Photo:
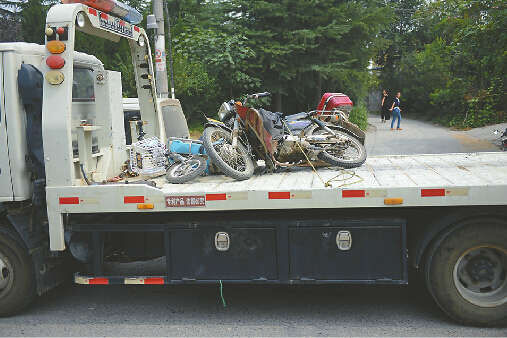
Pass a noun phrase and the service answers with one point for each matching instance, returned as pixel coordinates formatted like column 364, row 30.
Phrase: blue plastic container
column 188, row 147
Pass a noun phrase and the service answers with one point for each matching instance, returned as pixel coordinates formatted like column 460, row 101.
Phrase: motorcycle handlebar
column 255, row 96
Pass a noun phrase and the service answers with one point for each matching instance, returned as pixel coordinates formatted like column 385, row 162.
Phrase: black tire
column 175, row 174
column 17, row 280
column 338, row 161
column 459, row 284
column 213, row 153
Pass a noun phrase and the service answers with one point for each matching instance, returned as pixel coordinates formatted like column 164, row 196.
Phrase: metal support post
column 160, row 56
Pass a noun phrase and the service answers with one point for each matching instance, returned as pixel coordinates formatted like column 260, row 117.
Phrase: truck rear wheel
column 17, row 280
column 466, row 273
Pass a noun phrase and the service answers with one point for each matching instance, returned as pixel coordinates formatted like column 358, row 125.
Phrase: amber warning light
column 113, row 7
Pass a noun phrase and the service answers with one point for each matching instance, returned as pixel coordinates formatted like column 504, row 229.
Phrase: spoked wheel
column 181, row 172
column 350, row 153
column 235, row 163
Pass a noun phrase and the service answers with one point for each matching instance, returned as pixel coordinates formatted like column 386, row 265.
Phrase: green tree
column 453, row 63
column 10, row 24
column 306, row 47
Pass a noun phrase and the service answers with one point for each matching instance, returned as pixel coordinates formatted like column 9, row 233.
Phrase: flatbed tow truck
column 63, row 212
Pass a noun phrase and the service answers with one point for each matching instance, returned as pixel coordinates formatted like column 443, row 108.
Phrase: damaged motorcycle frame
column 296, row 140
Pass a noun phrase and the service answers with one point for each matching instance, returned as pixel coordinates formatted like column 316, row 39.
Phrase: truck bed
column 383, row 181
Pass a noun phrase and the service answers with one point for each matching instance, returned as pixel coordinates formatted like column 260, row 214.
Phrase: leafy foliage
column 359, row 115
column 450, row 63
column 447, row 57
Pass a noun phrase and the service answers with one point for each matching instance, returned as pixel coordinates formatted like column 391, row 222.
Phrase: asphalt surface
column 73, row 310
column 417, row 137
column 251, row 311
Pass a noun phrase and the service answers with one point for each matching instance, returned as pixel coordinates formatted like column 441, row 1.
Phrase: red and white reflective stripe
column 346, row 193
column 68, row 200
column 133, row 199
column 271, row 195
column 243, row 195
column 145, row 280
column 104, row 16
column 287, row 195
column 440, row 192
column 92, row 11
column 137, row 280
column 136, row 29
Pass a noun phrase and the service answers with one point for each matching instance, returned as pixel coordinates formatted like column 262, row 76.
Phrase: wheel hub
column 229, row 151
column 480, row 276
column 5, row 273
column 481, row 269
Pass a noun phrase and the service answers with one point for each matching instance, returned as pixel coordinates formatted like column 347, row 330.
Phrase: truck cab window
column 82, row 86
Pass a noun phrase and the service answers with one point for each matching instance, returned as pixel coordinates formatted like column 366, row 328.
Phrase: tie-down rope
column 335, row 178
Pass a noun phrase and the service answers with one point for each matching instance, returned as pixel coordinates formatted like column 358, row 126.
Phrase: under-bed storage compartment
column 227, row 253
column 349, row 251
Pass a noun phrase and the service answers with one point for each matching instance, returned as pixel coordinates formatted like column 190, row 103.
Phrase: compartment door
column 6, row 192
column 376, row 255
column 251, row 254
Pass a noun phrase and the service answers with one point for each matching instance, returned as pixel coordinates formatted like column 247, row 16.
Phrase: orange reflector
column 55, row 62
column 145, row 206
column 393, row 201
column 55, row 47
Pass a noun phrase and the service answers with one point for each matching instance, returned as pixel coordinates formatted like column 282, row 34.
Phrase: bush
column 359, row 115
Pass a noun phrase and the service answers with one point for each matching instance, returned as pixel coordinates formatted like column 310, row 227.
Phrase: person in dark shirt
column 396, row 110
column 384, row 109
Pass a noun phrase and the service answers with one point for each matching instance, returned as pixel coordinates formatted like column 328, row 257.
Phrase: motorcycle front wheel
column 235, row 163
column 182, row 172
column 350, row 157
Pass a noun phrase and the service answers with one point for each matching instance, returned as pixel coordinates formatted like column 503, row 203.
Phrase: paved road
column 418, row 137
column 250, row 311
column 258, row 310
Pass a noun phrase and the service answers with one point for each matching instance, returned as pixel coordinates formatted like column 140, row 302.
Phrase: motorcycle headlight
column 224, row 110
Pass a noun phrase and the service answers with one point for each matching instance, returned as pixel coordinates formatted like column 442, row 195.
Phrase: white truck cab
column 21, row 112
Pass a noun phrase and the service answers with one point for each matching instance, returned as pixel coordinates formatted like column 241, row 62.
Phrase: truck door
column 5, row 170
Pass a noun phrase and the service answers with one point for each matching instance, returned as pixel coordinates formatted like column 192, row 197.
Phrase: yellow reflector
column 393, row 201
column 55, row 77
column 55, row 47
column 145, row 206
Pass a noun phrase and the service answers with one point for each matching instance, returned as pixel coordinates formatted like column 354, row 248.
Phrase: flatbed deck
column 404, row 180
